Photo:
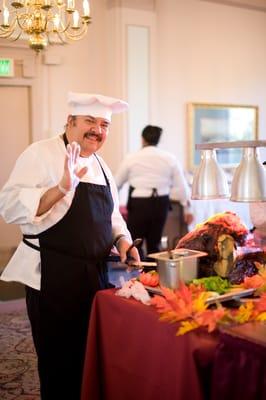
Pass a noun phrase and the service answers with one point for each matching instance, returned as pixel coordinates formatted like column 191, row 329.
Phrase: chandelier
column 44, row 22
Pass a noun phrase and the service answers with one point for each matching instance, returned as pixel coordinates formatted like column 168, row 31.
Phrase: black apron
column 146, row 219
column 72, row 270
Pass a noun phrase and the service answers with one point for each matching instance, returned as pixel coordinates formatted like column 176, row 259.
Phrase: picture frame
column 220, row 123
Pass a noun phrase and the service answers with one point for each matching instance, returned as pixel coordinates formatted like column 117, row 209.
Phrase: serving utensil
column 134, row 265
column 135, row 243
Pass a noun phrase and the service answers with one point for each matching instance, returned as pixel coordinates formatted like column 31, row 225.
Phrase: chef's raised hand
column 72, row 174
column 70, row 179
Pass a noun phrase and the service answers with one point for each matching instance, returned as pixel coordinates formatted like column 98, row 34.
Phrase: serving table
column 132, row 355
column 239, row 370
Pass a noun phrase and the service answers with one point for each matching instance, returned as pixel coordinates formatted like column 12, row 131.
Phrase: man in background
column 258, row 218
column 152, row 173
column 65, row 200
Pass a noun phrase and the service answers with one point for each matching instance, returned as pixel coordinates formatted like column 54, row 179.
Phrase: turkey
column 218, row 236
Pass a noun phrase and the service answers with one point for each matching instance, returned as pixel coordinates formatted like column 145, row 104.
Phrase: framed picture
column 220, row 123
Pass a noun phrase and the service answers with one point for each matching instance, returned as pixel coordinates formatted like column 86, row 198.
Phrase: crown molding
column 148, row 5
column 258, row 5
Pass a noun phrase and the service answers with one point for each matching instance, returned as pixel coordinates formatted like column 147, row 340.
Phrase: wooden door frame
column 18, row 82
column 17, row 97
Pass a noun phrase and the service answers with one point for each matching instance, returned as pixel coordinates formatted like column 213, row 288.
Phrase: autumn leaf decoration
column 251, row 311
column 187, row 305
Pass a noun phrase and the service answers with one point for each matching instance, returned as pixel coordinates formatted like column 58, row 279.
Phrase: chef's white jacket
column 152, row 167
column 39, row 168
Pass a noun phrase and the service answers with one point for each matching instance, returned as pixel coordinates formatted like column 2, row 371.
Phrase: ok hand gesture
column 72, row 174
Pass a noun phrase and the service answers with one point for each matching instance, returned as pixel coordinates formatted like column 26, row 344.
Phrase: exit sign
column 6, row 67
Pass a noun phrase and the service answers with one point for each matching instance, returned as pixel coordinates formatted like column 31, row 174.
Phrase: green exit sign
column 6, row 67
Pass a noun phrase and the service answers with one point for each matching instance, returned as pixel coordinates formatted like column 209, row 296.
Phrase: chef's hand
column 123, row 245
column 72, row 174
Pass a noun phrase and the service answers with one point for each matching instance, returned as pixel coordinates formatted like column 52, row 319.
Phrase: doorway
column 15, row 136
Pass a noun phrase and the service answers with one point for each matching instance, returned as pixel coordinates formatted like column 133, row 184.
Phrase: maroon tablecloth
column 132, row 355
column 239, row 370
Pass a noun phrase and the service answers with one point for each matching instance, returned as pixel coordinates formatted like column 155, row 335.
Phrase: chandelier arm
column 7, row 35
column 19, row 34
column 65, row 28
column 62, row 41
column 18, row 18
column 47, row 19
column 76, row 36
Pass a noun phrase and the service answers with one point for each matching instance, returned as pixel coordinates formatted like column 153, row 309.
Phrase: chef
column 258, row 217
column 63, row 196
column 152, row 173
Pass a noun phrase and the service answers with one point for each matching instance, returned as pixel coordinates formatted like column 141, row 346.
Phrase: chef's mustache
column 90, row 134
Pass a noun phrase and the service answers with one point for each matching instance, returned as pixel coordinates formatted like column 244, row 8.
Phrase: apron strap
column 65, row 139
column 154, row 192
column 105, row 176
column 130, row 191
column 38, row 248
column 28, row 243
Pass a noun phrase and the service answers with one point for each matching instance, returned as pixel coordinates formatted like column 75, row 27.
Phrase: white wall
column 211, row 53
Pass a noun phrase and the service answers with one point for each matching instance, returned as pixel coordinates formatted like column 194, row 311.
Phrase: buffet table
column 239, row 370
column 132, row 355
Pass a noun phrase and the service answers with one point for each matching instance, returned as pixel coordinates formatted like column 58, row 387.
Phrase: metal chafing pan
column 177, row 265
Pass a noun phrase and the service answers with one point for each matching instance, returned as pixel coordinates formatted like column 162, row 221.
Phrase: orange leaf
column 185, row 293
column 260, row 305
column 161, row 304
column 210, row 318
column 254, row 281
column 179, row 300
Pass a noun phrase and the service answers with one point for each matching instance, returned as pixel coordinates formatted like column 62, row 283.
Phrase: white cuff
column 63, row 190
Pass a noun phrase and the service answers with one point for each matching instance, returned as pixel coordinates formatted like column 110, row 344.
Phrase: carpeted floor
column 18, row 363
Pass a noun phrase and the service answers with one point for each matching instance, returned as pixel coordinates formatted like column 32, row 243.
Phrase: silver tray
column 233, row 295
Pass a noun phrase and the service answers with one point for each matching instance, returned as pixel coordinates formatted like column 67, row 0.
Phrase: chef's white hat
column 95, row 105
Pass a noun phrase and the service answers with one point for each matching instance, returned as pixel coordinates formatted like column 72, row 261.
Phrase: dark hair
column 151, row 134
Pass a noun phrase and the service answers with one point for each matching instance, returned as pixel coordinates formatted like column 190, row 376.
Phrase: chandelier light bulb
column 5, row 17
column 75, row 19
column 86, row 8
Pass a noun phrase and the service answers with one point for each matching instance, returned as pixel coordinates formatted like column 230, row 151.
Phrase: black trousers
column 146, row 219
column 60, row 352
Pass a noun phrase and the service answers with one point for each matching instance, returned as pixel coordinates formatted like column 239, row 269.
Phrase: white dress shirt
column 152, row 167
column 39, row 168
